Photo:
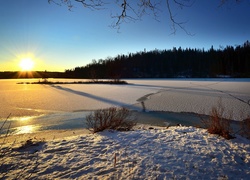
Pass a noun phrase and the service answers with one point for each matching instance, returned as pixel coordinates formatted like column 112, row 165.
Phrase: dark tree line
column 30, row 74
column 177, row 62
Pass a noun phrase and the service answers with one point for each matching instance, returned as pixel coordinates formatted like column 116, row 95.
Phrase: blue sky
column 58, row 39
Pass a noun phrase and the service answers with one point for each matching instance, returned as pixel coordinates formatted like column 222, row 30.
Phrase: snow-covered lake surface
column 35, row 107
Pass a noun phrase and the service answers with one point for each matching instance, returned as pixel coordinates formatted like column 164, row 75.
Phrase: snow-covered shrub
column 111, row 118
column 217, row 124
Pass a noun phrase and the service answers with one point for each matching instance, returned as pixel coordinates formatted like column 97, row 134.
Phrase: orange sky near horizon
column 38, row 64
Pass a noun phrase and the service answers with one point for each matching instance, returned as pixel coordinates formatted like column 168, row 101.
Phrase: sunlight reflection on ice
column 26, row 129
column 25, row 119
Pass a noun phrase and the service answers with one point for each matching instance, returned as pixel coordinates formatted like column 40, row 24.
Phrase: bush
column 217, row 124
column 111, row 118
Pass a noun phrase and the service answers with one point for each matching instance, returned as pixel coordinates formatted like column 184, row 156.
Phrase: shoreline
column 45, row 135
column 64, row 121
column 63, row 134
column 156, row 119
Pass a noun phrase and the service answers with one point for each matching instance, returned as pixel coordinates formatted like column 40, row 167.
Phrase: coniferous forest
column 231, row 61
column 177, row 62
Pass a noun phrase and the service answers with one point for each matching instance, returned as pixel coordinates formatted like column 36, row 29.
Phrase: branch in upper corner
column 131, row 11
column 146, row 7
column 181, row 4
column 123, row 16
column 134, row 12
column 91, row 4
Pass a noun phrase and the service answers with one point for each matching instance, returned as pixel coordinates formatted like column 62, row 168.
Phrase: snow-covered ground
column 173, row 153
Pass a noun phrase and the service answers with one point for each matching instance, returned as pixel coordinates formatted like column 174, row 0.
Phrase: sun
column 26, row 64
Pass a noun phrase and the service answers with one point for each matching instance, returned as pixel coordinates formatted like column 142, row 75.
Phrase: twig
column 5, row 122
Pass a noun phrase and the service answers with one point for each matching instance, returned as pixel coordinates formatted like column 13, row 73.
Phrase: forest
column 231, row 61
column 176, row 62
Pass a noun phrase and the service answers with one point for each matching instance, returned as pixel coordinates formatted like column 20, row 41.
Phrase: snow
column 159, row 153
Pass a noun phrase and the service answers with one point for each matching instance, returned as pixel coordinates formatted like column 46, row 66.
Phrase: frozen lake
column 35, row 107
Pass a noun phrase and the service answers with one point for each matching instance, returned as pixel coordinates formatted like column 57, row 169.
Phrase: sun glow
column 26, row 64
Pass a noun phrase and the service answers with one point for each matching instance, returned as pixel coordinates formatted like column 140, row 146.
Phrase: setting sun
column 26, row 64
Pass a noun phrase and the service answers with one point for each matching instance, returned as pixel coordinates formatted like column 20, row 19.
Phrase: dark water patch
column 162, row 118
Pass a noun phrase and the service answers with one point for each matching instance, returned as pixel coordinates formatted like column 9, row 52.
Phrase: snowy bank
column 173, row 153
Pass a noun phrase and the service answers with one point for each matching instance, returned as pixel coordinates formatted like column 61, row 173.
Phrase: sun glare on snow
column 26, row 64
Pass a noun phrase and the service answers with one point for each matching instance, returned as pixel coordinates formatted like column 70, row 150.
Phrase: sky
column 57, row 39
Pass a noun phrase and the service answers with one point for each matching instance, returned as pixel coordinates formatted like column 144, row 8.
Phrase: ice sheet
column 185, row 95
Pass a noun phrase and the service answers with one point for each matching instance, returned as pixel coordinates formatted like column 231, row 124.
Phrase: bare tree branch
column 152, row 7
column 134, row 10
column 91, row 4
column 172, row 18
column 127, row 14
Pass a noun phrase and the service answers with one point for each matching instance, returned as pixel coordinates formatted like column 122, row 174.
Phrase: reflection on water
column 20, row 130
column 19, row 125
column 21, row 119
column 26, row 129
column 52, row 121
